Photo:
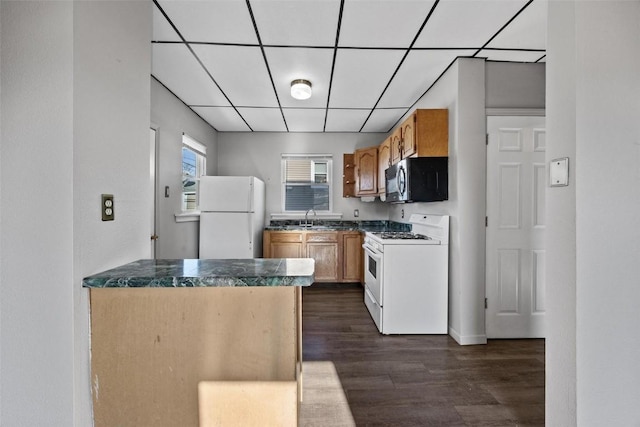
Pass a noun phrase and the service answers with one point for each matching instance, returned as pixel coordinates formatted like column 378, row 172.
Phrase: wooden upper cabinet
column 396, row 145
column 384, row 161
column 366, row 160
column 348, row 175
column 426, row 134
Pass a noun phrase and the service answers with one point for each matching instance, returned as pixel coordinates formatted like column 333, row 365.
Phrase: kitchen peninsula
column 159, row 327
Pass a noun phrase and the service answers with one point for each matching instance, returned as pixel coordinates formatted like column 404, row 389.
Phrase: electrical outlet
column 107, row 207
column 356, row 213
column 402, row 213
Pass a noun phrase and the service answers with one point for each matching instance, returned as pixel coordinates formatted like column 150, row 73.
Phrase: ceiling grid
column 369, row 61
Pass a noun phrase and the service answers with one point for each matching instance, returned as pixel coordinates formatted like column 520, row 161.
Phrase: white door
column 515, row 254
column 152, row 190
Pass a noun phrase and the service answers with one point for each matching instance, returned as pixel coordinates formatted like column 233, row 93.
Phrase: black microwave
column 418, row 179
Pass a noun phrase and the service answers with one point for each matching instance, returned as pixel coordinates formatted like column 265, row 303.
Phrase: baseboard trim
column 467, row 339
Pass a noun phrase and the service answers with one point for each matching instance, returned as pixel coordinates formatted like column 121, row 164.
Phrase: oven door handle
column 375, row 255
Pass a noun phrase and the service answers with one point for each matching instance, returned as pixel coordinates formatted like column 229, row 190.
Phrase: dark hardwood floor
column 352, row 375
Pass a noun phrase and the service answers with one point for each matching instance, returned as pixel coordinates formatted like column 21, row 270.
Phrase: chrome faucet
column 306, row 214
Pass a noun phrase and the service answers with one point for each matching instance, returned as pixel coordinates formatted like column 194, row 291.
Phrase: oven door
column 373, row 273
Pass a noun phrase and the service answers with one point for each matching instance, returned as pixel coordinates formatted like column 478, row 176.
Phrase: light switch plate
column 559, row 172
column 107, row 207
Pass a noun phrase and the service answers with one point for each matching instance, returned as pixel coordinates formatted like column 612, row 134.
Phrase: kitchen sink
column 308, row 227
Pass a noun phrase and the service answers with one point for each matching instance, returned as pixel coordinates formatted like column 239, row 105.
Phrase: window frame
column 200, row 151
column 321, row 158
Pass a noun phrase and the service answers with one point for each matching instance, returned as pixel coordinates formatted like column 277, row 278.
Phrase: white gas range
column 407, row 277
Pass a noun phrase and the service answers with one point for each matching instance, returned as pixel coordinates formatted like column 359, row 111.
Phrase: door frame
column 153, row 156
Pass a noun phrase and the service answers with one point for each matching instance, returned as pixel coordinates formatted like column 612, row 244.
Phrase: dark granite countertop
column 332, row 225
column 172, row 273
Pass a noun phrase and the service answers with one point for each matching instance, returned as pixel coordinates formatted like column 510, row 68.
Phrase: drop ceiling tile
column 176, row 68
column 264, row 119
column 222, row 21
column 304, row 120
column 383, row 119
column 382, row 23
column 162, row 31
column 510, row 55
column 223, row 119
column 361, row 75
column 288, row 64
column 418, row 72
column 297, row 23
column 466, row 23
column 527, row 31
column 241, row 73
column 345, row 120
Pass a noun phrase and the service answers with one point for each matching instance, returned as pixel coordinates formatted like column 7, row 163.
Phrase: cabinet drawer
column 314, row 236
column 284, row 236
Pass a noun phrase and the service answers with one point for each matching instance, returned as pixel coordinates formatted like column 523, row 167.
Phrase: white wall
column 36, row 209
column 172, row 118
column 259, row 154
column 461, row 90
column 560, row 369
column 515, row 85
column 597, row 126
column 111, row 66
column 75, row 117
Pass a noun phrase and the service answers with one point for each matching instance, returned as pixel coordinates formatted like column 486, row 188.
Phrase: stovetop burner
column 401, row 235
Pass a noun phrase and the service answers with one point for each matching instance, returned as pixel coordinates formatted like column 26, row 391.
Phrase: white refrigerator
column 232, row 210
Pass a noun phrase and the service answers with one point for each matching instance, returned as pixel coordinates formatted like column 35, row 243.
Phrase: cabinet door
column 431, row 133
column 325, row 255
column 408, row 137
column 282, row 244
column 396, row 145
column 323, row 248
column 285, row 250
column 352, row 257
column 366, row 160
column 384, row 161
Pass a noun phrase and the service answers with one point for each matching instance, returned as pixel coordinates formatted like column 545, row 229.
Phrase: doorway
column 515, row 251
column 152, row 188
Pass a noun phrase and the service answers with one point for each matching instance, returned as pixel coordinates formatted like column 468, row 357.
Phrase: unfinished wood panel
column 248, row 403
column 150, row 347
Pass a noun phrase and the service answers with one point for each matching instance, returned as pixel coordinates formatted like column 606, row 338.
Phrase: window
column 194, row 157
column 306, row 182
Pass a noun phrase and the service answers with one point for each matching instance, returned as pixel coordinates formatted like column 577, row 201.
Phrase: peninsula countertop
column 185, row 273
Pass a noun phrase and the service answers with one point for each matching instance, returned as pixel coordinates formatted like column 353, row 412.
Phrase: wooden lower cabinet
column 323, row 248
column 282, row 244
column 338, row 255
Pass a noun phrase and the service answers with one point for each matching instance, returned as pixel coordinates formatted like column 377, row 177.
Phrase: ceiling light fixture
column 301, row 89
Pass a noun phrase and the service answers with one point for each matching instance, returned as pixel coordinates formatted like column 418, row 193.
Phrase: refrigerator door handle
column 250, row 225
